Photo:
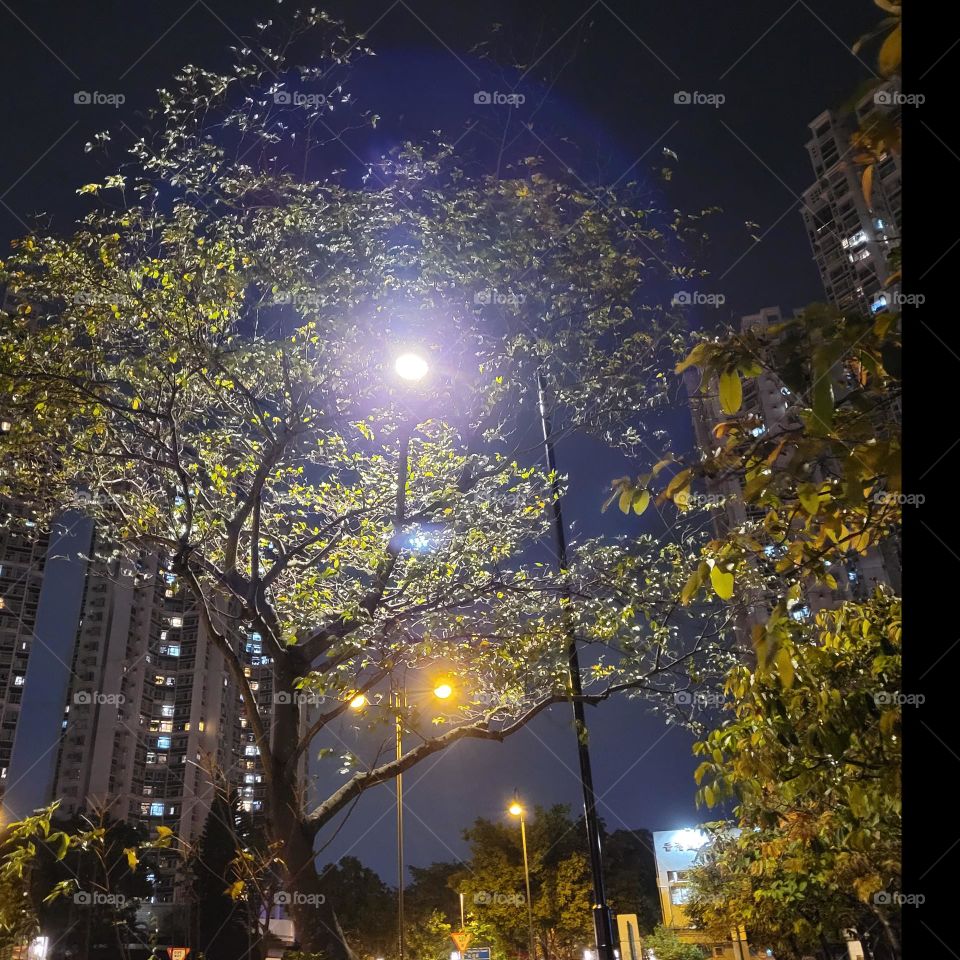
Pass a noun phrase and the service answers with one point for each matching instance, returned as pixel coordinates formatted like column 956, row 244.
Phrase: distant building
column 153, row 724
column 677, row 852
column 852, row 240
column 23, row 550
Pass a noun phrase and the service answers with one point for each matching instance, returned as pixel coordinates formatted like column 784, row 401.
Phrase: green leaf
column 731, row 391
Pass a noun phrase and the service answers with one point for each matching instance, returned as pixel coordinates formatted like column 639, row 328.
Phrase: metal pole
column 602, row 923
column 526, row 874
column 401, row 940
column 463, row 922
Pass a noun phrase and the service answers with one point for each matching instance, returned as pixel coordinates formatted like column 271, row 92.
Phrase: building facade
column 852, row 239
column 23, row 550
column 676, row 853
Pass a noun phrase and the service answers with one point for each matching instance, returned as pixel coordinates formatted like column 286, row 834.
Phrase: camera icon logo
column 282, row 898
column 482, row 97
column 883, row 98
column 283, row 696
column 282, row 96
column 882, row 898
column 683, row 697
column 82, row 96
column 682, row 96
column 82, row 898
column 482, row 898
column 83, row 697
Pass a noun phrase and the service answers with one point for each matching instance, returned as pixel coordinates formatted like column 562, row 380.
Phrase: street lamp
column 516, row 810
column 602, row 921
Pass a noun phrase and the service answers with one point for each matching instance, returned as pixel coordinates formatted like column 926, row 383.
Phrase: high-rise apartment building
column 153, row 723
column 23, row 549
column 149, row 720
column 852, row 239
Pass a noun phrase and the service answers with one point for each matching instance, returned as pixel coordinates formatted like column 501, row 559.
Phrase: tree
column 225, row 926
column 78, row 880
column 204, row 367
column 631, row 876
column 812, row 759
column 365, row 906
column 560, row 882
column 666, row 945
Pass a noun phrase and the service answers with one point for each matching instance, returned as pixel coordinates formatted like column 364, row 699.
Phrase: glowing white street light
column 411, row 366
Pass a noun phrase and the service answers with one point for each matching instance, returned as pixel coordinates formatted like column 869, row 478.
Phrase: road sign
column 629, row 932
column 462, row 939
column 477, row 953
column 178, row 953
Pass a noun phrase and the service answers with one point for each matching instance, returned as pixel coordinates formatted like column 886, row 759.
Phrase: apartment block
column 853, row 239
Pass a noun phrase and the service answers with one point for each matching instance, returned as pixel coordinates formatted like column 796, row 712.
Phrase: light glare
column 411, row 366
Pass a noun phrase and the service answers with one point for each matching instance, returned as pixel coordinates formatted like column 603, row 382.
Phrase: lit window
column 18, row 680
column 251, row 750
column 176, row 621
column 156, row 809
column 163, row 743
column 166, row 710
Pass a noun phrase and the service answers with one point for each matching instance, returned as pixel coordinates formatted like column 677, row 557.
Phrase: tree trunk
column 316, row 927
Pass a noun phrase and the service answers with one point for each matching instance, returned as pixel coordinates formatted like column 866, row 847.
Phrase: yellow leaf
column 164, row 832
column 626, row 495
column 731, row 391
column 866, row 184
column 235, row 890
column 722, row 582
column 136, row 403
column 889, row 59
column 641, row 501
column 131, row 857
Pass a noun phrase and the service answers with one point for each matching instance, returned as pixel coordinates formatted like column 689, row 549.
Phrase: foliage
column 666, row 945
column 366, row 907
column 811, row 756
column 226, row 926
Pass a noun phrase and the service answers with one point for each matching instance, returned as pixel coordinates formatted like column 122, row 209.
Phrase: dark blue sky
column 600, row 96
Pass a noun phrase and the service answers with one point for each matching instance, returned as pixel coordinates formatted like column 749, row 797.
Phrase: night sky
column 602, row 77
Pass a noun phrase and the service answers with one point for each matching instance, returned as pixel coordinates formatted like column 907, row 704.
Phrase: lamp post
column 602, row 923
column 516, row 810
column 412, row 368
